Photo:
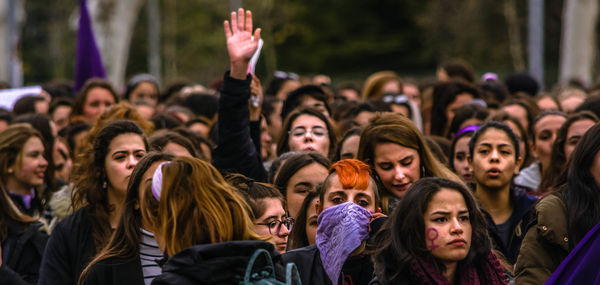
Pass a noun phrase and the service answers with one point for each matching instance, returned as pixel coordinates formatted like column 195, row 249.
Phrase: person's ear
column 518, row 164
column 318, row 207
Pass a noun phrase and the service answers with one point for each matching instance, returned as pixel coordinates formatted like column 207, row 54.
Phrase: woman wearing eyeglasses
column 307, row 129
column 268, row 211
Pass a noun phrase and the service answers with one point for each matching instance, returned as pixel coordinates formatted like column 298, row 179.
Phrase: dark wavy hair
column 125, row 241
column 90, row 173
column 396, row 248
column 581, row 191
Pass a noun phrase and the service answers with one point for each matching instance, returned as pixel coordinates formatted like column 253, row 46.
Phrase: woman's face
column 311, row 221
column 303, row 181
column 398, row 167
column 461, row 164
column 447, row 226
column 574, row 133
column 349, row 148
column 146, row 92
column 309, row 133
column 460, row 100
column 30, row 166
column 273, row 211
column 96, row 102
column 547, row 104
column 545, row 131
column 175, row 149
column 518, row 112
column 124, row 152
column 493, row 161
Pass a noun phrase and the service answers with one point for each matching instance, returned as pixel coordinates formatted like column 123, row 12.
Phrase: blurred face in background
column 97, row 101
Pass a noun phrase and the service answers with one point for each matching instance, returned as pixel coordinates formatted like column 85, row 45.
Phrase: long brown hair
column 395, row 128
column 12, row 140
column 194, row 193
column 125, row 241
column 10, row 212
column 89, row 175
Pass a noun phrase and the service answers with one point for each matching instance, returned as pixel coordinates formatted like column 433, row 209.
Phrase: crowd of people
column 464, row 180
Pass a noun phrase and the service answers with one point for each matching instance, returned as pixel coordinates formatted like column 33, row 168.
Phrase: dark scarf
column 424, row 273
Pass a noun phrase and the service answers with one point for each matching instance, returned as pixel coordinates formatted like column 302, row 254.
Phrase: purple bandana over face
column 342, row 228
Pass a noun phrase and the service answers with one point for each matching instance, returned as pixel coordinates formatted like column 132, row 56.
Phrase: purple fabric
column 582, row 265
column 342, row 228
column 471, row 128
column 157, row 180
column 88, row 63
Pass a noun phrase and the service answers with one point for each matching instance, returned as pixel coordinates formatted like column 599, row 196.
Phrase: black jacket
column 308, row 260
column 22, row 254
column 236, row 150
column 70, row 248
column 519, row 221
column 116, row 271
column 219, row 263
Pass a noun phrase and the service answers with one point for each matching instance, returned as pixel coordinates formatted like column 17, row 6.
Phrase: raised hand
column 240, row 43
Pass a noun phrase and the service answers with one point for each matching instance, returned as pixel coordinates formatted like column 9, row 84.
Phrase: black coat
column 70, row 248
column 219, row 263
column 237, row 151
column 310, row 267
column 116, row 271
column 22, row 253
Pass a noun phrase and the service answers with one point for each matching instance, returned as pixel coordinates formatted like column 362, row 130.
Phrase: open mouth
column 494, row 172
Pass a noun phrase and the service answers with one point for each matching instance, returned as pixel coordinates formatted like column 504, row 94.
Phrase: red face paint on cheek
column 432, row 234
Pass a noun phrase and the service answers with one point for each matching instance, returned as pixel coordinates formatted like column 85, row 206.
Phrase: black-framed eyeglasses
column 301, row 131
column 275, row 225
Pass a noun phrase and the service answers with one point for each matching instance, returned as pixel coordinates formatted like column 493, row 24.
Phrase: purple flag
column 582, row 265
column 88, row 63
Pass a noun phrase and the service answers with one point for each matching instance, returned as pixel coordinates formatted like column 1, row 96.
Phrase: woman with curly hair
column 99, row 193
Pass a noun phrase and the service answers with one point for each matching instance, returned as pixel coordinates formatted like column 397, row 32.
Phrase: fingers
column 257, row 35
column 240, row 22
column 227, row 30
column 234, row 24
column 249, row 21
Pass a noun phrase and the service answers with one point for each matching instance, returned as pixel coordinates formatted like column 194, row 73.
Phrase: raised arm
column 236, row 151
column 241, row 45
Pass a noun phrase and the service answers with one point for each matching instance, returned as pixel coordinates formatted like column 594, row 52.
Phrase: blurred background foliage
column 346, row 39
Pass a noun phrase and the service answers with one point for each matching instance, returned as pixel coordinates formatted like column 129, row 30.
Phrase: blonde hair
column 395, row 128
column 372, row 88
column 197, row 206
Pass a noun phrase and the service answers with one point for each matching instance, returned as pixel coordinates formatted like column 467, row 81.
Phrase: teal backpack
column 266, row 274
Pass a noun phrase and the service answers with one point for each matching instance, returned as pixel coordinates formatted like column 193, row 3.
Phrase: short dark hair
column 294, row 99
column 254, row 193
column 294, row 164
